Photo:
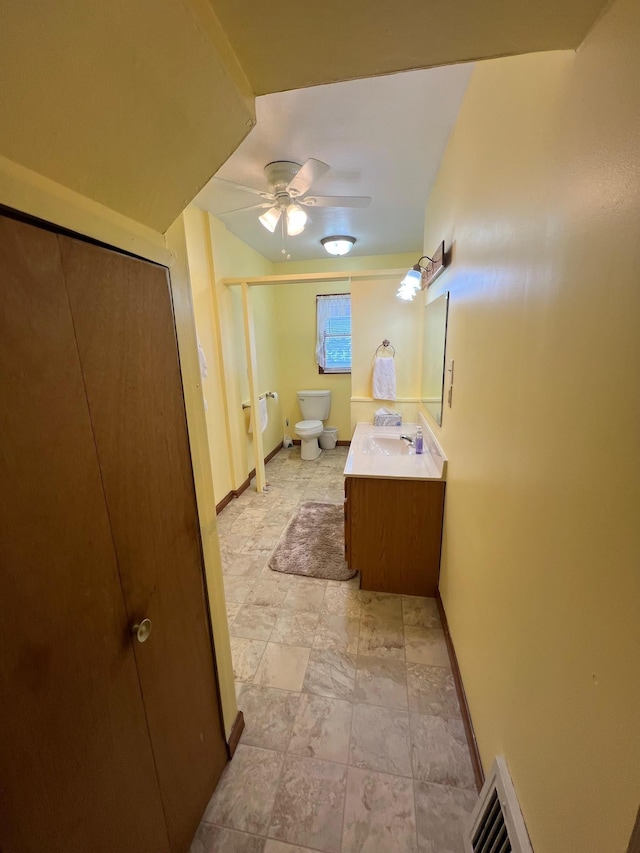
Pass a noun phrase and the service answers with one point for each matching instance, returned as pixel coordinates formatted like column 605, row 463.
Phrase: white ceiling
column 383, row 137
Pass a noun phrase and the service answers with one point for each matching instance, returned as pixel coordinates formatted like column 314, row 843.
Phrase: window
column 333, row 347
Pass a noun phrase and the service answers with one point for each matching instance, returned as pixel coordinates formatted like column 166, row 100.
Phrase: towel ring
column 385, row 345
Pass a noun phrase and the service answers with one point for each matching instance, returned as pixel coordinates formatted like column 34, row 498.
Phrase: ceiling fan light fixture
column 339, row 244
column 296, row 220
column 270, row 219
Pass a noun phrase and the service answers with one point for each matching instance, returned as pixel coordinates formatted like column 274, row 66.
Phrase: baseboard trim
column 236, row 732
column 235, row 493
column 270, row 456
column 478, row 772
column 252, row 472
column 225, row 500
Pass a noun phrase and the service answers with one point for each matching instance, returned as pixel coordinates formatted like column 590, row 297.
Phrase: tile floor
column 353, row 738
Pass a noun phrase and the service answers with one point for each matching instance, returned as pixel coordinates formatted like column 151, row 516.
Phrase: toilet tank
column 314, row 405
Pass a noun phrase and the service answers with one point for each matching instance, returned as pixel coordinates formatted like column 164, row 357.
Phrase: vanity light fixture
column 412, row 282
column 420, row 277
column 338, row 245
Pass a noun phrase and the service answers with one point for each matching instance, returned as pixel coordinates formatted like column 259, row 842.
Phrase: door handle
column 142, row 630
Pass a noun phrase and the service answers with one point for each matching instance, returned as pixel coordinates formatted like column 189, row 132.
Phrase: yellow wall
column 375, row 314
column 198, row 438
column 348, row 263
column 231, row 257
column 265, row 314
column 285, row 331
column 352, row 40
column 296, row 319
column 134, row 105
column 538, row 193
column 196, row 228
column 379, row 314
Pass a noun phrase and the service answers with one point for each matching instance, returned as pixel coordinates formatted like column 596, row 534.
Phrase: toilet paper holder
column 272, row 394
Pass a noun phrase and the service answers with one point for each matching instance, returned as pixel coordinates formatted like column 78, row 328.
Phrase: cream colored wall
column 122, row 102
column 539, row 194
column 285, row 329
column 218, row 316
column 378, row 314
column 136, row 105
column 268, row 346
column 296, row 329
column 196, row 227
column 232, row 257
column 352, row 40
column 200, row 454
column 348, row 263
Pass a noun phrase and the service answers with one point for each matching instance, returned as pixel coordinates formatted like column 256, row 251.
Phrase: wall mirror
column 435, row 340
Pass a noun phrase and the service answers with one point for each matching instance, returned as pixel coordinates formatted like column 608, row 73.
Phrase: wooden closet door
column 124, row 325
column 76, row 767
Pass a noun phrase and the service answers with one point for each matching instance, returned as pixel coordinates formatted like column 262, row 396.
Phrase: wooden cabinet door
column 76, row 767
column 124, row 325
column 396, row 533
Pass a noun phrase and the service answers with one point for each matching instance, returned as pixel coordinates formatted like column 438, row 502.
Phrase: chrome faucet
column 410, row 438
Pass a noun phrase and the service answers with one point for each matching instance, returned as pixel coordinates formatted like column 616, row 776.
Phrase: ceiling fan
column 289, row 183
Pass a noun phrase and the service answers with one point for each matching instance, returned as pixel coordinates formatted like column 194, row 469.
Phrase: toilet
column 315, row 406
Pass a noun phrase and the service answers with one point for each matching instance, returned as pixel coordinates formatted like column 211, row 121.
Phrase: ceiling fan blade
column 309, row 173
column 248, row 207
column 262, row 193
column 336, row 201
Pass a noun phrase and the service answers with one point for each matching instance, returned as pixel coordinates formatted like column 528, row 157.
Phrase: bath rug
column 312, row 544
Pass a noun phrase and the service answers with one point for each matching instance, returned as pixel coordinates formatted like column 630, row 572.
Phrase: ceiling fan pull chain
column 284, row 251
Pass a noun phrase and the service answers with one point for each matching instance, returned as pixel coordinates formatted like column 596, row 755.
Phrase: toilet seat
column 304, row 428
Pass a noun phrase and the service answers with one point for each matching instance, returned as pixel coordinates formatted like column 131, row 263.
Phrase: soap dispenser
column 419, row 441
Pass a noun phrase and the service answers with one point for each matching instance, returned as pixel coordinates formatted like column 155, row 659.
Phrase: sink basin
column 386, row 445
column 379, row 452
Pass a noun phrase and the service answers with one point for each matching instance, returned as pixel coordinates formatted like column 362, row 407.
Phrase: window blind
column 333, row 347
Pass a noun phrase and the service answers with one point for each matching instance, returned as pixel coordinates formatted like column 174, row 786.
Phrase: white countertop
column 371, row 457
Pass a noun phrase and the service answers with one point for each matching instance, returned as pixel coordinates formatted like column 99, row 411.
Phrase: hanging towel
column 384, row 379
column 263, row 415
column 204, row 369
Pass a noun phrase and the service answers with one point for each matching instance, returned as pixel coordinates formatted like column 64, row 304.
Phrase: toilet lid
column 308, row 424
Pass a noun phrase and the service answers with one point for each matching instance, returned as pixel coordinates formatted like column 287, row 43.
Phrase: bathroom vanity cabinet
column 393, row 533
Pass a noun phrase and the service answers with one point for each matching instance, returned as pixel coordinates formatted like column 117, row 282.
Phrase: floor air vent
column 496, row 822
